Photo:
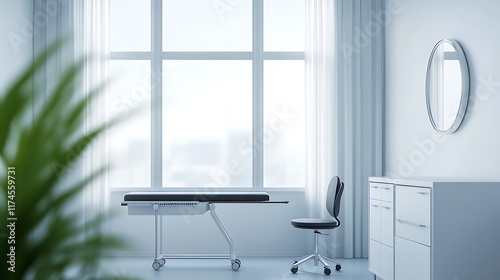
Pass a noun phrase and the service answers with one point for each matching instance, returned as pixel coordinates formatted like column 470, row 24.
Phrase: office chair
column 334, row 194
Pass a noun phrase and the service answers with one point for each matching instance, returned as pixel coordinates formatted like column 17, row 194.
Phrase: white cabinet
column 434, row 229
column 381, row 230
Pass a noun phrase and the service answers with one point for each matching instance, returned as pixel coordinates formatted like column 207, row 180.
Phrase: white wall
column 257, row 229
column 412, row 148
column 15, row 38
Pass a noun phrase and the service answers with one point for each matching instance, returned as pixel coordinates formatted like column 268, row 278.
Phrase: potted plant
column 40, row 237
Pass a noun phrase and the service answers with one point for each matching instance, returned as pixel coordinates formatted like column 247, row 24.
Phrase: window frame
column 257, row 56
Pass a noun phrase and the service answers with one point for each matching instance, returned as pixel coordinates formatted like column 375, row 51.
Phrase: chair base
column 317, row 258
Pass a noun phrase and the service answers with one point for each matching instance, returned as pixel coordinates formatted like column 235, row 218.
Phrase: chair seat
column 310, row 223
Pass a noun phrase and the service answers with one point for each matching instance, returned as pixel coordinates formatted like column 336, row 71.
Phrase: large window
column 213, row 93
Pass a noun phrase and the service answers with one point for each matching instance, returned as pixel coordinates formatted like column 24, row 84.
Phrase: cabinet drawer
column 382, row 222
column 386, row 223
column 386, row 262
column 381, row 191
column 413, row 213
column 412, row 260
column 386, row 192
column 374, row 254
column 375, row 191
column 381, row 260
column 375, row 220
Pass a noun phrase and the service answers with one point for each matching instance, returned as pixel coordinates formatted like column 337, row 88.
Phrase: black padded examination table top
column 212, row 197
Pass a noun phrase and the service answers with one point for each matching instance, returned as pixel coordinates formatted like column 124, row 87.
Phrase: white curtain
column 344, row 64
column 91, row 36
column 54, row 21
column 79, row 22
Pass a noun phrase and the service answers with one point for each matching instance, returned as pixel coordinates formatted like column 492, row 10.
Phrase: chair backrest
column 333, row 196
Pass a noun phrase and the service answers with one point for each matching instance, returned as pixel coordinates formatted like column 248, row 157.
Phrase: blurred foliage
column 51, row 239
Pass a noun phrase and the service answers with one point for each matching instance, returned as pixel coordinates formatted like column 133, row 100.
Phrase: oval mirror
column 447, row 86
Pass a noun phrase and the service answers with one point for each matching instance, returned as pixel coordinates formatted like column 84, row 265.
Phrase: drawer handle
column 385, row 207
column 375, row 187
column 410, row 223
column 387, row 188
column 373, row 205
column 423, row 193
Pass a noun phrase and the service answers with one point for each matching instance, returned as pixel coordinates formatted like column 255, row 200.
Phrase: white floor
column 252, row 268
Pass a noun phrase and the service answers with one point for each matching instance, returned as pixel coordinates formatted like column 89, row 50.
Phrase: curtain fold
column 52, row 21
column 91, row 36
column 344, row 64
column 319, row 74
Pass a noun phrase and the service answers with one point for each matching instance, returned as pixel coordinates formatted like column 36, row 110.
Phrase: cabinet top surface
column 427, row 181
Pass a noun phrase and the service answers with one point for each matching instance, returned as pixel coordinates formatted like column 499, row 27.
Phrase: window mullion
column 156, row 94
column 258, row 100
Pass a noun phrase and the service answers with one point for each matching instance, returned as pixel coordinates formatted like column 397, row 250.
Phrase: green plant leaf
column 50, row 241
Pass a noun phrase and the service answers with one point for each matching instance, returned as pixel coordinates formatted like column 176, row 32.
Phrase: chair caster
column 294, row 269
column 162, row 262
column 338, row 267
column 327, row 271
column 236, row 264
column 156, row 265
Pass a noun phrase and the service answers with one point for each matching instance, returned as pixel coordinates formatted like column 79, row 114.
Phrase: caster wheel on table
column 162, row 262
column 156, row 265
column 294, row 269
column 338, row 267
column 236, row 264
column 327, row 271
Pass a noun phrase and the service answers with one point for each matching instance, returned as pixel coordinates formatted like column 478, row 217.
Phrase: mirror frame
column 464, row 99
